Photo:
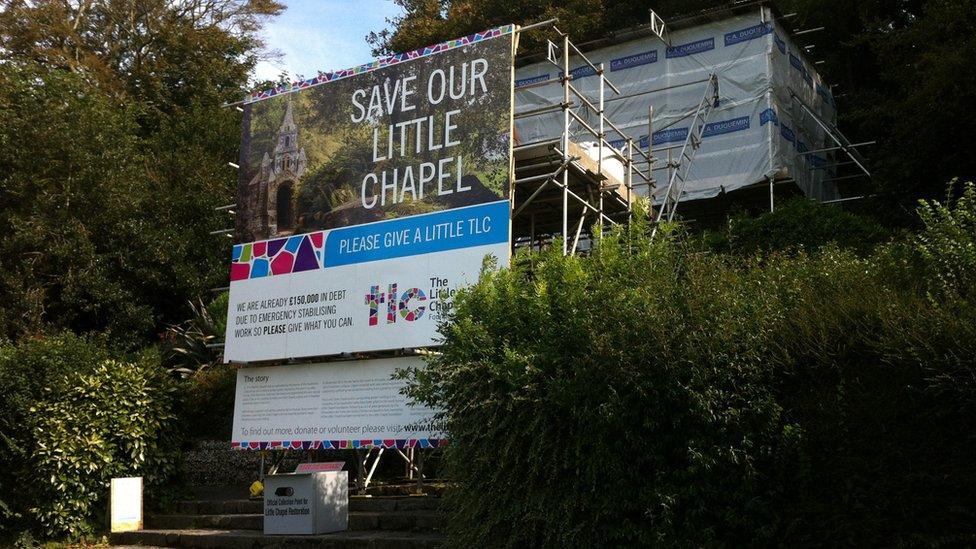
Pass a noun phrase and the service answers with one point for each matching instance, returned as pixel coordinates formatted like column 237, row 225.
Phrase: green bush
column 799, row 223
column 79, row 419
column 207, row 404
column 653, row 394
column 188, row 346
column 948, row 244
column 26, row 370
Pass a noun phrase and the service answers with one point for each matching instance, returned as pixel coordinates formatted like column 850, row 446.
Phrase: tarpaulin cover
column 757, row 130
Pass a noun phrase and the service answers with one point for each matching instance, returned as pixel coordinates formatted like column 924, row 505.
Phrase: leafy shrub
column 208, row 402
column 652, row 394
column 82, row 419
column 26, row 370
column 188, row 346
column 798, row 223
column 948, row 243
column 586, row 406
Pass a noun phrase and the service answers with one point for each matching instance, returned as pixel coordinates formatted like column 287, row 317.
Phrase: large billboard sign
column 354, row 404
column 367, row 197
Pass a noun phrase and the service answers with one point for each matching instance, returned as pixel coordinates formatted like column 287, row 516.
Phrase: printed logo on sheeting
column 367, row 197
column 636, row 60
column 690, row 48
column 532, row 80
column 726, row 126
column 748, row 33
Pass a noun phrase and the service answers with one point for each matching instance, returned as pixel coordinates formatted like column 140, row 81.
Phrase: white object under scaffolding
column 679, row 168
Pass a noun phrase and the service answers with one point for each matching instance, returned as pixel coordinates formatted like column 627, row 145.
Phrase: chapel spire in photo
column 270, row 208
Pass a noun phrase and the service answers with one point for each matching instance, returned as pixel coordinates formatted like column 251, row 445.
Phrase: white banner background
column 339, row 404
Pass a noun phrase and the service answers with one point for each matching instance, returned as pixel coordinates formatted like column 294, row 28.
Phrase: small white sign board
column 126, row 504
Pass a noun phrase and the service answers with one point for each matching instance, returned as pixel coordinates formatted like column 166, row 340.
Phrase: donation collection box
column 306, row 503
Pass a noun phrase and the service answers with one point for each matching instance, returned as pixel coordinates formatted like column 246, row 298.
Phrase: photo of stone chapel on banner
column 367, row 197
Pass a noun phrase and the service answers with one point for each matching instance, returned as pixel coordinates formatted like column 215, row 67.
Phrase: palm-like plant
column 197, row 342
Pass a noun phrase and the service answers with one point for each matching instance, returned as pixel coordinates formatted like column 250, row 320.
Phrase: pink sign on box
column 319, row 467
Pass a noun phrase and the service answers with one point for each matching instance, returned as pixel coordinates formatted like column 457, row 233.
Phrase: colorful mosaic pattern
column 373, row 299
column 292, row 254
column 325, row 77
column 391, row 307
column 406, row 313
column 341, row 444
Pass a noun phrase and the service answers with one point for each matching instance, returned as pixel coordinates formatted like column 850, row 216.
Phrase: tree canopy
column 113, row 154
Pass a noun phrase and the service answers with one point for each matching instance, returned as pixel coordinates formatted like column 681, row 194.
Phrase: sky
column 322, row 35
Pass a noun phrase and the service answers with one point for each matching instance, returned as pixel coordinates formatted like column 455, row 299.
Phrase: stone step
column 232, row 539
column 219, row 507
column 358, row 520
column 404, row 521
column 394, row 503
column 223, row 522
column 356, row 503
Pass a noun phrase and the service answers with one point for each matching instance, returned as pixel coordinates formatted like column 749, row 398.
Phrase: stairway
column 375, row 522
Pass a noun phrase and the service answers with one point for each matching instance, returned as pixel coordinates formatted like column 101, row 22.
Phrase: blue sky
column 314, row 35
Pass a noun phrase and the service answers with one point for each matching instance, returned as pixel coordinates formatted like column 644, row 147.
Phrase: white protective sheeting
column 755, row 132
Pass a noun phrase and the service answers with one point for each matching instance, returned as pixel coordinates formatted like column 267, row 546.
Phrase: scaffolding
column 568, row 188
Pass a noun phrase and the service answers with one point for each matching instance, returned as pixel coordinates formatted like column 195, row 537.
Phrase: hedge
column 73, row 418
column 654, row 393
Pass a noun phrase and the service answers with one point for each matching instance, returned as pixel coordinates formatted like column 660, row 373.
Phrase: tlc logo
column 395, row 303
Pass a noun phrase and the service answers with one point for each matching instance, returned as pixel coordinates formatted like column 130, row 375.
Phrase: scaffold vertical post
column 408, row 465
column 629, row 180
column 565, row 141
column 599, row 163
column 532, row 232
column 670, row 175
column 650, row 145
column 360, row 472
column 419, row 464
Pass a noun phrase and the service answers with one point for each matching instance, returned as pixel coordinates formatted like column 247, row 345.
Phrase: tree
column 114, row 154
column 426, row 22
column 69, row 168
column 168, row 55
column 904, row 74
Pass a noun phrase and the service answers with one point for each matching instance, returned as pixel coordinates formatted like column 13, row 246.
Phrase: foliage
column 26, row 370
column 81, row 419
column 798, row 223
column 169, row 55
column 115, row 420
column 70, row 187
column 426, row 22
column 113, row 154
column 904, row 72
column 948, row 243
column 102, row 235
column 655, row 394
column 190, row 345
column 207, row 403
